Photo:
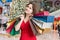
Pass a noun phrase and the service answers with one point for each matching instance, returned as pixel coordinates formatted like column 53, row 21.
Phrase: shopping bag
column 47, row 19
column 8, row 30
column 38, row 22
column 13, row 31
column 43, row 13
column 33, row 28
column 38, row 29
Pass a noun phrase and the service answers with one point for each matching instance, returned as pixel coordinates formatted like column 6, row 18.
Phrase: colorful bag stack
column 43, row 20
column 11, row 29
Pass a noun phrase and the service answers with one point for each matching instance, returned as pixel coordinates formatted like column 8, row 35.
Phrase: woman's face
column 29, row 9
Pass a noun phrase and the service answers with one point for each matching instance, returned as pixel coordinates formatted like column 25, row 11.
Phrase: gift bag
column 38, row 29
column 13, row 31
column 8, row 30
column 37, row 22
column 43, row 13
column 47, row 19
column 33, row 28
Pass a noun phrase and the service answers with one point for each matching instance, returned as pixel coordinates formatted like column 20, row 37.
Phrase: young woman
column 24, row 25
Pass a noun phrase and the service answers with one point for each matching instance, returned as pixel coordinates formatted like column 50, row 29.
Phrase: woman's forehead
column 30, row 5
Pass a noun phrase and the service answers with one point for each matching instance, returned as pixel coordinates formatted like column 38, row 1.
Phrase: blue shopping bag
column 45, row 18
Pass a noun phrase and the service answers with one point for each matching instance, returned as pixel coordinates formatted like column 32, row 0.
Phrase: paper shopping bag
column 38, row 29
column 8, row 30
column 13, row 31
column 33, row 28
column 38, row 22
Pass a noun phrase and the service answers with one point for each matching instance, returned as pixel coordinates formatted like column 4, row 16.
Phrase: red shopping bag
column 8, row 30
column 43, row 13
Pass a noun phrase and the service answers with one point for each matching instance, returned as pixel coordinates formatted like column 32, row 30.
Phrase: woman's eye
column 30, row 8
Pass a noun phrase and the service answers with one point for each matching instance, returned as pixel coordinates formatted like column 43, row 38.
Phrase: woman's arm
column 17, row 27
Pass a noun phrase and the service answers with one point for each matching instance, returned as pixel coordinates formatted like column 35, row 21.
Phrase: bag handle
column 33, row 28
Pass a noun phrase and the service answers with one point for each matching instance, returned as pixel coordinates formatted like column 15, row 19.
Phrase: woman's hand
column 19, row 24
column 21, row 16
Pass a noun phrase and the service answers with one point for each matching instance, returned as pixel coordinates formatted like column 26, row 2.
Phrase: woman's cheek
column 31, row 11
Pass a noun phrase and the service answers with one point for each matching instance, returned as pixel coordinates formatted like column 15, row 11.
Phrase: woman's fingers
column 22, row 16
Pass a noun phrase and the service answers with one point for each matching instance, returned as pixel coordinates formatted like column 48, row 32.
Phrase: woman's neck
column 27, row 17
